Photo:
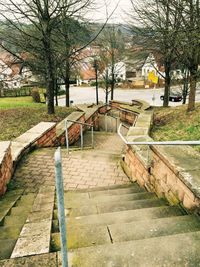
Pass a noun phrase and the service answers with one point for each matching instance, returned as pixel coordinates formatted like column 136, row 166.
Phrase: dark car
column 173, row 97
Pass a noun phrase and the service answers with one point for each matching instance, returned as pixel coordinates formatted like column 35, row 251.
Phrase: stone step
column 13, row 220
column 153, row 228
column 114, row 207
column 42, row 260
column 71, row 202
column 120, row 191
column 34, row 239
column 7, row 202
column 125, row 216
column 117, row 190
column 83, row 236
column 107, row 192
column 10, row 232
column 92, row 235
column 101, row 193
column 111, row 187
column 11, row 194
column 175, row 250
column 19, row 210
column 26, row 200
column 7, row 247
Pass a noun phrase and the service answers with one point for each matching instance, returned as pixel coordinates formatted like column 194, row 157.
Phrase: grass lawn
column 19, row 114
column 176, row 124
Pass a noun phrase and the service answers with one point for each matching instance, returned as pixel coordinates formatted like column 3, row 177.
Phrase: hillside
column 176, row 124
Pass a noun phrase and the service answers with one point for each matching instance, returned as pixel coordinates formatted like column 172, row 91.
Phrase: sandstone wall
column 5, row 166
column 172, row 172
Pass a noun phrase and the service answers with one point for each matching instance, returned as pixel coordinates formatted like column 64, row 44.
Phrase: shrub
column 35, row 95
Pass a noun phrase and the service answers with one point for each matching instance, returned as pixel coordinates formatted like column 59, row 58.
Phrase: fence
column 16, row 92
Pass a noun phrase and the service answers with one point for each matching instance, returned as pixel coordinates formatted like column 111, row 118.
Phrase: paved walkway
column 99, row 167
column 81, row 169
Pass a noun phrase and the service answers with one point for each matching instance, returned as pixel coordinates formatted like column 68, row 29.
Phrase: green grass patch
column 176, row 123
column 14, row 102
column 19, row 114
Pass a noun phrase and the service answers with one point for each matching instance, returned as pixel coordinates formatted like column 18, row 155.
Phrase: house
column 85, row 64
column 9, row 71
column 86, row 74
column 152, row 65
column 119, row 71
column 12, row 73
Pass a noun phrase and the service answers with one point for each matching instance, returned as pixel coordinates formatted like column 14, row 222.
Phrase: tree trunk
column 67, row 83
column 50, row 94
column 56, row 92
column 193, row 83
column 167, row 84
column 67, row 86
column 185, row 86
column 50, row 75
column 112, row 85
column 107, row 85
column 97, row 85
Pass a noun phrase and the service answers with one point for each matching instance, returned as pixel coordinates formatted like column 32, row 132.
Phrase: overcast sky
column 119, row 15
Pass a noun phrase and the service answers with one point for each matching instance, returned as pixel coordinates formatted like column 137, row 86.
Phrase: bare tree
column 42, row 17
column 157, row 23
column 112, row 52
column 189, row 42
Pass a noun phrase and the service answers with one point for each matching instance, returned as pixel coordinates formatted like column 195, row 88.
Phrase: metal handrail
column 154, row 142
column 80, row 122
column 81, row 132
column 61, row 206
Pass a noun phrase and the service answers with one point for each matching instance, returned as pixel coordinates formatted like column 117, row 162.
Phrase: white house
column 150, row 65
column 12, row 73
column 119, row 71
column 5, row 71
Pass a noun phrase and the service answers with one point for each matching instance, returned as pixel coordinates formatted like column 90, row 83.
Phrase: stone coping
column 137, row 106
column 90, row 109
column 4, row 147
column 31, row 136
column 75, row 116
column 27, row 139
column 142, row 125
column 184, row 162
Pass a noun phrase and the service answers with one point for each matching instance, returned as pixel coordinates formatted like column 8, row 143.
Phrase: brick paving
column 81, row 169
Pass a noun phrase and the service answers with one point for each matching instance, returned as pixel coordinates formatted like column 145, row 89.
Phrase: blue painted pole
column 61, row 208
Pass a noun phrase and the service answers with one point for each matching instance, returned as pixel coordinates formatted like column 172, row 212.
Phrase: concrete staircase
column 14, row 210
column 125, row 226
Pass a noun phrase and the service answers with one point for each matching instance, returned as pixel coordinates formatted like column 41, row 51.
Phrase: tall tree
column 157, row 23
column 43, row 16
column 112, row 52
column 189, row 42
column 71, row 36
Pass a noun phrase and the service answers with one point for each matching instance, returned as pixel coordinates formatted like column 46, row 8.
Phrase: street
column 80, row 95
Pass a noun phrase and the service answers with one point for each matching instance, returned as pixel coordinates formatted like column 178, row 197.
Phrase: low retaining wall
column 41, row 135
column 6, row 164
column 44, row 134
column 170, row 172
column 127, row 113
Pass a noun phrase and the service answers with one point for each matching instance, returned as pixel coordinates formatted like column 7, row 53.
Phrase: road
column 81, row 95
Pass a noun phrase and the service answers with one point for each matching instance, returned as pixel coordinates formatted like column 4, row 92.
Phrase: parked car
column 173, row 97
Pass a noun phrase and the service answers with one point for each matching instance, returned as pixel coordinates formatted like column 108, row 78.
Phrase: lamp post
column 96, row 75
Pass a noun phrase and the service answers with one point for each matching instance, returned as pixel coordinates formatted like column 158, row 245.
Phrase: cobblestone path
column 81, row 169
